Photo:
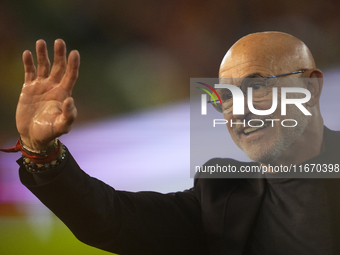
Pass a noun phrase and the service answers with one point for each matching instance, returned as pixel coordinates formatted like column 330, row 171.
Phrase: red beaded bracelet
column 33, row 167
column 40, row 157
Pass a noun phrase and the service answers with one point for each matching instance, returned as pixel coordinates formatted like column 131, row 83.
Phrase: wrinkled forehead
column 244, row 65
column 267, row 59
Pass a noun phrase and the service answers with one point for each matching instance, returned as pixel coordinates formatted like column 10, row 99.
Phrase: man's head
column 269, row 54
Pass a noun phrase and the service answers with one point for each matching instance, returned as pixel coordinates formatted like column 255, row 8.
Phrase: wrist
column 41, row 151
column 42, row 166
column 43, row 156
column 42, row 160
column 35, row 146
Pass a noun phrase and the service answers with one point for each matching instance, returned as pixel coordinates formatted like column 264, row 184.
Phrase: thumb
column 69, row 114
column 69, row 110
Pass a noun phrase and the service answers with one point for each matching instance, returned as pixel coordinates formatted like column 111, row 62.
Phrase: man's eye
column 258, row 85
column 226, row 96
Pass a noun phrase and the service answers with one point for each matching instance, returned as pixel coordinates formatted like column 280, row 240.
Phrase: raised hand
column 46, row 109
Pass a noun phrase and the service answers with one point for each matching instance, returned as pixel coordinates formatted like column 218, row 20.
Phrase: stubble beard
column 269, row 153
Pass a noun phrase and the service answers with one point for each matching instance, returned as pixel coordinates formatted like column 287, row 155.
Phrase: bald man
column 270, row 54
column 216, row 216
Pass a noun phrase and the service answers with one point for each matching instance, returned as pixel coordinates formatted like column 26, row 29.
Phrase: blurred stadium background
column 133, row 91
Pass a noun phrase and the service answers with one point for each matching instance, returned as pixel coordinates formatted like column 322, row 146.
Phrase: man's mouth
column 249, row 130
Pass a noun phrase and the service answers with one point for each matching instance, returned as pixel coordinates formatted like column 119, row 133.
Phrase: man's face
column 267, row 143
column 269, row 54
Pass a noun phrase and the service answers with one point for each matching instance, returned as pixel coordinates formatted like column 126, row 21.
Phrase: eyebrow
column 253, row 74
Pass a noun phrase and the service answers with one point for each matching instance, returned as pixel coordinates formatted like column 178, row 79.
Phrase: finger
column 43, row 61
column 59, row 63
column 72, row 71
column 69, row 114
column 69, row 110
column 29, row 67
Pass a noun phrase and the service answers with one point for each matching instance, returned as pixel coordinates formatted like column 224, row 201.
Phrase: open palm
column 46, row 109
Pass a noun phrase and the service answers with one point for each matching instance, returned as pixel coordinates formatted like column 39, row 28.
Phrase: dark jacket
column 215, row 217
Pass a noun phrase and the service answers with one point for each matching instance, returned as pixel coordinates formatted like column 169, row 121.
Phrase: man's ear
column 314, row 85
